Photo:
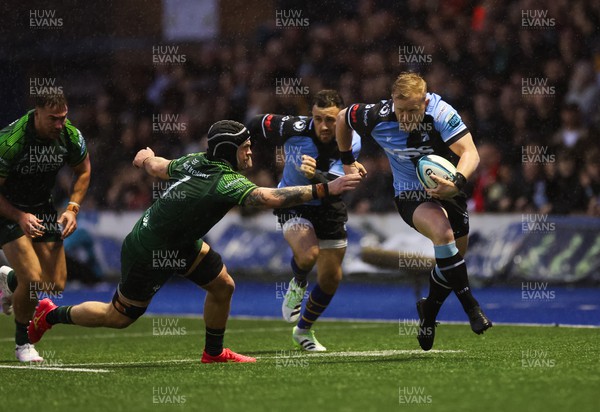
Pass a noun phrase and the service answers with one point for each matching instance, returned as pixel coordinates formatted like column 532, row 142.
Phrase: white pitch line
column 379, row 353
column 376, row 353
column 55, row 368
column 188, row 332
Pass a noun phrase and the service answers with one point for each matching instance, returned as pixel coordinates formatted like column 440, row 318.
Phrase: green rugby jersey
column 199, row 193
column 30, row 164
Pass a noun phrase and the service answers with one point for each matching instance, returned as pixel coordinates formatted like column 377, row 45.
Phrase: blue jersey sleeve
column 446, row 120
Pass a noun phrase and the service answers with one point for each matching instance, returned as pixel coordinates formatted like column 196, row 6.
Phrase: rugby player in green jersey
column 32, row 151
column 166, row 240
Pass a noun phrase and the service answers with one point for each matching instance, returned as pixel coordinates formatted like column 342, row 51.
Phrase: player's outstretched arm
column 297, row 195
column 153, row 165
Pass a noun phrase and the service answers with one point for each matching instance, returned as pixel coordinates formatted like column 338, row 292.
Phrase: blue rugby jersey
column 440, row 128
column 297, row 136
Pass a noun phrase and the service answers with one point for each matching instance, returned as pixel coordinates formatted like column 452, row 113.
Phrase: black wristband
column 320, row 190
column 347, row 157
column 459, row 180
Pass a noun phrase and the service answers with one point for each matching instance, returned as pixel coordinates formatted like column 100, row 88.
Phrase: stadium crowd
column 524, row 75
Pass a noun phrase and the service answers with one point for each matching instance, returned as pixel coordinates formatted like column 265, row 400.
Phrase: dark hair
column 50, row 100
column 328, row 98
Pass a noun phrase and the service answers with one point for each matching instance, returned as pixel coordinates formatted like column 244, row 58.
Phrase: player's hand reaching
column 444, row 190
column 344, row 183
column 355, row 168
column 31, row 226
column 68, row 220
column 141, row 156
column 308, row 166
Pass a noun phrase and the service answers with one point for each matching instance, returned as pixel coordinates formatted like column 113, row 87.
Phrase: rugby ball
column 436, row 165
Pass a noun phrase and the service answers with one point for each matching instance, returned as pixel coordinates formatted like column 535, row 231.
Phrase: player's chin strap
column 127, row 309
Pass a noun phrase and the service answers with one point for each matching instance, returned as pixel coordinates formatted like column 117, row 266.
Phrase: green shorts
column 144, row 272
column 10, row 230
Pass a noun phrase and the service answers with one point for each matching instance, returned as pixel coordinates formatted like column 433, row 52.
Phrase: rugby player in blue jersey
column 315, row 231
column 411, row 124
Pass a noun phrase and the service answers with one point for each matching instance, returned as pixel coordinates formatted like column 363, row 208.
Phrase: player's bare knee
column 222, row 287
column 308, row 258
column 226, row 286
column 443, row 237
column 119, row 321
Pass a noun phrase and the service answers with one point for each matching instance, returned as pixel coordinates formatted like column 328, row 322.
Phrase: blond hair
column 408, row 85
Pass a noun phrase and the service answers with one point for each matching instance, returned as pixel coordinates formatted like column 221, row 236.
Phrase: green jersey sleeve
column 77, row 149
column 11, row 144
column 235, row 187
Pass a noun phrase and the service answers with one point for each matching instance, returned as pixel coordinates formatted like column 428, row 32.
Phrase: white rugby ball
column 436, row 165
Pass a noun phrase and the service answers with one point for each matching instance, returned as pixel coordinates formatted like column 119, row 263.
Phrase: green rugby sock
column 11, row 280
column 21, row 337
column 61, row 314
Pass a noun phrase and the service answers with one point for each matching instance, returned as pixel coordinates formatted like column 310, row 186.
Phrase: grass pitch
column 154, row 365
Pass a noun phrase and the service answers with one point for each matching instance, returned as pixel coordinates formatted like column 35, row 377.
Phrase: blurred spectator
column 564, row 190
column 590, row 180
column 572, row 135
column 480, row 55
column 584, row 90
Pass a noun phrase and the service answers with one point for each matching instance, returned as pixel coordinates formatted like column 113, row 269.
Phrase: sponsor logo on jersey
column 353, row 117
column 424, row 137
column 410, row 152
column 233, row 182
column 385, row 110
column 268, row 123
column 453, row 120
column 366, row 114
column 299, row 126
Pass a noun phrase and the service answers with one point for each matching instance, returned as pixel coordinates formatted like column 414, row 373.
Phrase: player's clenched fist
column 141, row 156
column 308, row 166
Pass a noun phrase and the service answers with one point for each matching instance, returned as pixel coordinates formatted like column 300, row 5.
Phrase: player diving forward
column 204, row 187
column 315, row 231
column 411, row 124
